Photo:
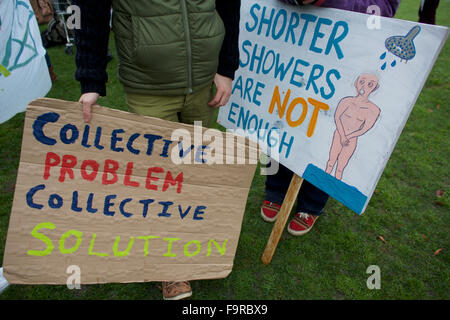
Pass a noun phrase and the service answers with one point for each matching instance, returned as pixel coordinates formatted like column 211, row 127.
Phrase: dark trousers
column 310, row 199
column 427, row 11
column 47, row 59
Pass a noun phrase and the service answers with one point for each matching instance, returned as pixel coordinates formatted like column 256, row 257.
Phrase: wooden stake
column 283, row 215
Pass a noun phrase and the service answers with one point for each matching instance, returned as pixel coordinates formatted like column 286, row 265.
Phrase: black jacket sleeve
column 91, row 41
column 229, row 11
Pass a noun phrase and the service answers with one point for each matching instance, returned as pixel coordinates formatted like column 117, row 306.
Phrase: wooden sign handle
column 283, row 215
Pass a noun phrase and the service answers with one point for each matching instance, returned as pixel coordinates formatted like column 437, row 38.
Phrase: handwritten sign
column 22, row 59
column 107, row 197
column 326, row 94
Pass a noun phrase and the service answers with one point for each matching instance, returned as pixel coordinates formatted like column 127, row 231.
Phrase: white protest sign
column 23, row 70
column 328, row 95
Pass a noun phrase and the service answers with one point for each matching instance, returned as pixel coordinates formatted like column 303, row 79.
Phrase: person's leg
column 310, row 204
column 166, row 108
column 427, row 11
column 47, row 60
column 50, row 67
column 335, row 149
column 278, row 184
column 162, row 107
column 276, row 188
column 344, row 157
column 196, row 108
column 311, row 199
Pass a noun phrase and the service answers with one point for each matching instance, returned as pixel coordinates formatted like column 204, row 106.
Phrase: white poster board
column 24, row 73
column 327, row 94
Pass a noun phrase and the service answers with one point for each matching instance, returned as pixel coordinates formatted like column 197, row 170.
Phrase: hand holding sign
column 88, row 100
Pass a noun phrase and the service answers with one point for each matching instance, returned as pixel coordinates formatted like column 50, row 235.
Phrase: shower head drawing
column 403, row 46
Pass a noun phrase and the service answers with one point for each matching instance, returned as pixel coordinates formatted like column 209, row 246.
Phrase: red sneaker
column 269, row 211
column 302, row 223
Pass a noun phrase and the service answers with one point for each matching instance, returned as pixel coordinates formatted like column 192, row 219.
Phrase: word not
column 190, row 248
column 276, row 100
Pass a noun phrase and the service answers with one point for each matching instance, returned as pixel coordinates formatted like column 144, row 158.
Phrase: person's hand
column 223, row 85
column 88, row 100
column 345, row 141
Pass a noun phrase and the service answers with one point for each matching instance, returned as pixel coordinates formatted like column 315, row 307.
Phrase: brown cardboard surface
column 172, row 244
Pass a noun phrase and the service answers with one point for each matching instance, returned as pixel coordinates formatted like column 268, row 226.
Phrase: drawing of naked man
column 354, row 116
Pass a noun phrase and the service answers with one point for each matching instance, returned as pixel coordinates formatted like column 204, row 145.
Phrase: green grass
column 331, row 261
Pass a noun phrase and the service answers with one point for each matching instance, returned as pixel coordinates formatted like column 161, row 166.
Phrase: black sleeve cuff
column 93, row 86
column 227, row 69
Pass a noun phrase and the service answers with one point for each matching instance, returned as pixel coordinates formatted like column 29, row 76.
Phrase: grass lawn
column 410, row 210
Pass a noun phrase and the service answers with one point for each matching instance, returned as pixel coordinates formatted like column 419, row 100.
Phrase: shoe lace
column 172, row 283
column 303, row 215
column 273, row 205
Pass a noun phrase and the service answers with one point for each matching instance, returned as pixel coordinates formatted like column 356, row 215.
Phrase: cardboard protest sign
column 22, row 59
column 327, row 92
column 125, row 198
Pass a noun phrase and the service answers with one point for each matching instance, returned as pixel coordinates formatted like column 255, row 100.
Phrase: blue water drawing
column 401, row 46
column 348, row 195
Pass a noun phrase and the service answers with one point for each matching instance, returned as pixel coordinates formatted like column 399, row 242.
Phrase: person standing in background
column 427, row 11
column 177, row 60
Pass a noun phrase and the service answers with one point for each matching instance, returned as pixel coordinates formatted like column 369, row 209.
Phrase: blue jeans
column 310, row 199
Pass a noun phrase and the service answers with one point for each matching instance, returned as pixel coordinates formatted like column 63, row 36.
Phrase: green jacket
column 167, row 47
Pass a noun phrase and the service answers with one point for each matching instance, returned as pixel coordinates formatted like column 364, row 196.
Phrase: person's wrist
column 98, row 87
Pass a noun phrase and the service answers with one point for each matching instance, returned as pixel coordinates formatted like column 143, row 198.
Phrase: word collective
column 110, row 205
column 116, row 140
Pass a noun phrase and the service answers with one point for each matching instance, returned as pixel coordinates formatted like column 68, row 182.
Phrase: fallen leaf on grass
column 424, row 237
column 381, row 238
column 438, row 106
column 437, row 251
column 439, row 193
